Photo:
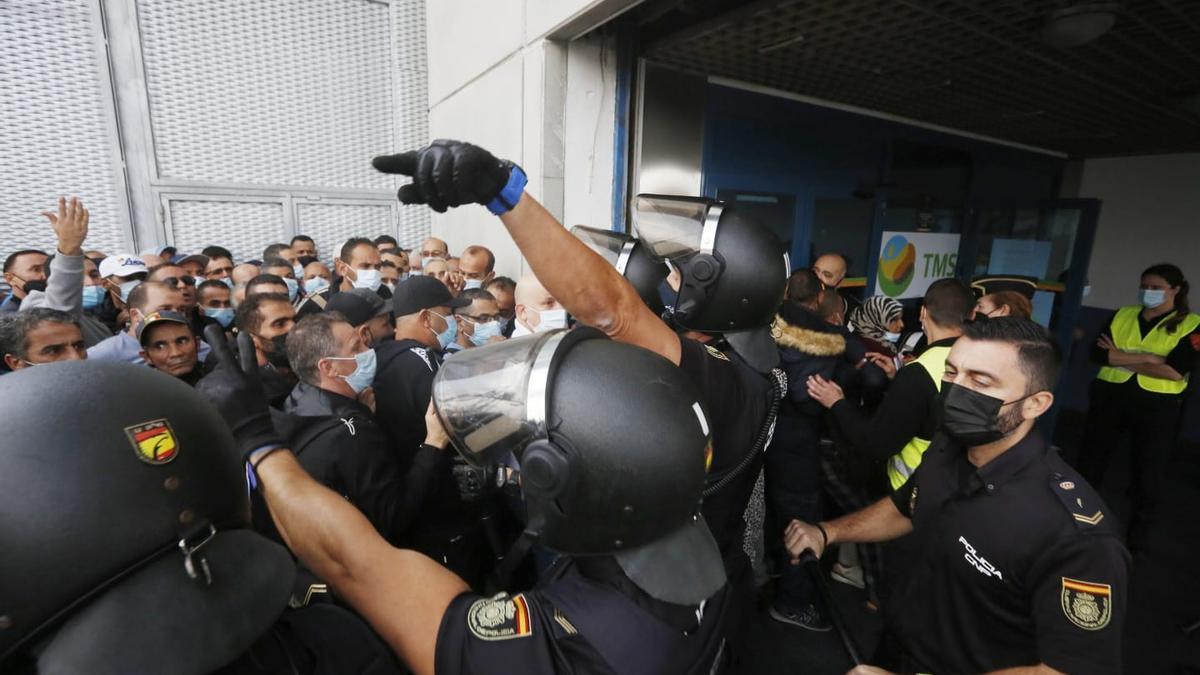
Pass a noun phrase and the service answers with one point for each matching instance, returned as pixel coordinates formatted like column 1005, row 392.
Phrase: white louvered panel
column 412, row 109
column 295, row 92
column 56, row 124
column 330, row 225
column 244, row 228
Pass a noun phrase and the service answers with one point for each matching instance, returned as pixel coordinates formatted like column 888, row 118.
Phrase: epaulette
column 1080, row 501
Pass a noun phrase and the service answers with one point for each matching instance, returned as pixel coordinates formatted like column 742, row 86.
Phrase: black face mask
column 277, row 357
column 973, row 418
column 31, row 286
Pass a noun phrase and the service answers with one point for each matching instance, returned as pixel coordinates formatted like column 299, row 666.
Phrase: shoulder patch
column 500, row 618
column 715, row 353
column 1083, row 505
column 1086, row 604
column 424, row 354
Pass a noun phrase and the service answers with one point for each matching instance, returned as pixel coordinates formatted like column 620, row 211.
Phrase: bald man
column 243, row 273
column 831, row 270
column 536, row 309
column 430, row 248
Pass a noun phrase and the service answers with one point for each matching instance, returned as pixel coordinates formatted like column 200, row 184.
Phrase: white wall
column 505, row 75
column 1150, row 214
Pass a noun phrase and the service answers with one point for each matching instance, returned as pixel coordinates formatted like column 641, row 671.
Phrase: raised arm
column 402, row 594
column 449, row 173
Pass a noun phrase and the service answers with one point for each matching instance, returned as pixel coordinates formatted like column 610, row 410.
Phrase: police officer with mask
column 639, row 587
column 733, row 273
column 127, row 540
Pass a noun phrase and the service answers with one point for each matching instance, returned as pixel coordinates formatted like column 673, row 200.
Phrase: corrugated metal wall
column 221, row 121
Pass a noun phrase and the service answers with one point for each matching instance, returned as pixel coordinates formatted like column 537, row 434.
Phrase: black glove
column 237, row 393
column 450, row 173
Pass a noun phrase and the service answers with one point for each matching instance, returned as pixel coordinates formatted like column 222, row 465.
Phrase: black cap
column 417, row 293
column 358, row 305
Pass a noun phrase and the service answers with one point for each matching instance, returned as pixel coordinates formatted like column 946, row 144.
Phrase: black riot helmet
column 612, row 444
column 733, row 270
column 645, row 272
column 124, row 520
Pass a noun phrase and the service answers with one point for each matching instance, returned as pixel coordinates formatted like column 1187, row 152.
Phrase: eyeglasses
column 186, row 280
column 483, row 318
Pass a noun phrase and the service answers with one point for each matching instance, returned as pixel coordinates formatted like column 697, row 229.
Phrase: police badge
column 1086, row 604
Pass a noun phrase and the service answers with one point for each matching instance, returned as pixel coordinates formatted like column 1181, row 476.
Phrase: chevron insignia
column 1090, row 520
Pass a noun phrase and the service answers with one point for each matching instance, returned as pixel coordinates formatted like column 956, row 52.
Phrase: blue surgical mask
column 449, row 335
column 891, row 337
column 484, row 332
column 293, row 288
column 472, row 283
column 222, row 315
column 127, row 288
column 368, row 279
column 92, row 296
column 228, row 281
column 298, row 270
column 315, row 285
column 405, row 275
column 364, row 370
column 1152, row 297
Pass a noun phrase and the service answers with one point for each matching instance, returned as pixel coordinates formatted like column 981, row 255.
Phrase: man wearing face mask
column 357, row 266
column 73, row 284
column 477, row 266
column 146, row 298
column 121, row 274
column 504, row 290
column 286, row 273
column 478, row 322
column 316, row 278
column 536, row 310
column 425, row 327
column 335, row 435
column 268, row 318
column 1019, row 565
column 25, row 271
column 215, row 300
column 367, row 313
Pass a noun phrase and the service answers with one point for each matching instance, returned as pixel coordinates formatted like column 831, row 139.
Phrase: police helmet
column 611, row 441
column 125, row 522
column 632, row 261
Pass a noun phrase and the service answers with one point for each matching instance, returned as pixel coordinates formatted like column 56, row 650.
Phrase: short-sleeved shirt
column 599, row 624
column 1019, row 565
column 736, row 398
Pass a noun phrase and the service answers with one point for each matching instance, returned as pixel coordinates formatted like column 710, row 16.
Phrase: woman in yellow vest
column 1146, row 354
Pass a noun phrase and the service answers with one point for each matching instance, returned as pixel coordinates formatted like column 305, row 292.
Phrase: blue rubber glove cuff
column 511, row 194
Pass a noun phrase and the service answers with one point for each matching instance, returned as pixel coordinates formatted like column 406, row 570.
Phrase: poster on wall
column 910, row 261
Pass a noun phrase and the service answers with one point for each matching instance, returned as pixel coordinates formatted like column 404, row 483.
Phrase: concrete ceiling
column 977, row 65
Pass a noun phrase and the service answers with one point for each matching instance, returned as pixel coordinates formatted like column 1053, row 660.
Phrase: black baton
column 813, row 565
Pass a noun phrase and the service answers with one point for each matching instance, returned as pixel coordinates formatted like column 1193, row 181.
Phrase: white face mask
column 472, row 283
column 368, row 279
column 551, row 319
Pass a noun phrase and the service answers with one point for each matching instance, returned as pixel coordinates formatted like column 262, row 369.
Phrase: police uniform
column 1019, row 564
column 1145, row 407
column 586, row 617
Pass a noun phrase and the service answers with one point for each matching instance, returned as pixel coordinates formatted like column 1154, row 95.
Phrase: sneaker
column 809, row 618
column 851, row 576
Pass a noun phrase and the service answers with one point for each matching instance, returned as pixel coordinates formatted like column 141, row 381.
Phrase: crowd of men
column 344, row 378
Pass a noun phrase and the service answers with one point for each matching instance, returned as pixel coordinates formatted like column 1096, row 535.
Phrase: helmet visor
column 670, row 227
column 607, row 243
column 482, row 397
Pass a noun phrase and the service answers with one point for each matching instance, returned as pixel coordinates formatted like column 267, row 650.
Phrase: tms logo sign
column 979, row 562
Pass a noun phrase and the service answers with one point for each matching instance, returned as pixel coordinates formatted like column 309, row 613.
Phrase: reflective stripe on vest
column 1127, row 336
column 904, row 463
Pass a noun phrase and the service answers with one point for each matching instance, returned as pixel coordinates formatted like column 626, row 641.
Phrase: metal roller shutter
column 330, row 225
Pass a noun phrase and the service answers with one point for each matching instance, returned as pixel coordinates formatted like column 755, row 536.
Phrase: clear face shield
column 615, row 247
column 492, row 400
column 676, row 227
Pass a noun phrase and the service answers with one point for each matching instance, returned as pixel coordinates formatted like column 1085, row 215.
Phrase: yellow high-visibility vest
column 1127, row 336
column 904, row 463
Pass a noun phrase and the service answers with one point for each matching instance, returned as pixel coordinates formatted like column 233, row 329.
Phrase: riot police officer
column 639, row 587
column 127, row 539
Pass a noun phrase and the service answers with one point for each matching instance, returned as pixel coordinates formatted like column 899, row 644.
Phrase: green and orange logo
column 897, row 265
column 153, row 441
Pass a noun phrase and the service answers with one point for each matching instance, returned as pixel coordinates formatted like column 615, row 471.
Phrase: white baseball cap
column 122, row 265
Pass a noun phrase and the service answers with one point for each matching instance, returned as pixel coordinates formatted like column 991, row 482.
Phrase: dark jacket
column 807, row 346
column 337, row 441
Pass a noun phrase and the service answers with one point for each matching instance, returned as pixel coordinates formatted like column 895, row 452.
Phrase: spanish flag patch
column 1087, row 605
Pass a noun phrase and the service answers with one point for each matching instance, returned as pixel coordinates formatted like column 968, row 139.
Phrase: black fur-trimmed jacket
column 807, row 346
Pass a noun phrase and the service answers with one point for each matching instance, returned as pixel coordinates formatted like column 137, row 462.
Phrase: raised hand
column 449, row 173
column 70, row 225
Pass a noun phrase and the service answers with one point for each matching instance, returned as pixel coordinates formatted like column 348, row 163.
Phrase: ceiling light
column 1079, row 24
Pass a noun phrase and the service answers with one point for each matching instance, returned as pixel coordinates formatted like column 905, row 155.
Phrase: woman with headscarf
column 878, row 321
